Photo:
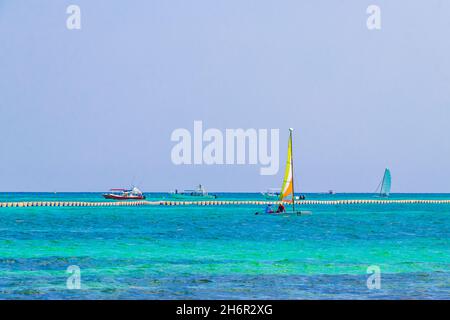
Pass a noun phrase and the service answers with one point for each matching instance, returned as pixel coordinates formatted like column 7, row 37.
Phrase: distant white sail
column 386, row 184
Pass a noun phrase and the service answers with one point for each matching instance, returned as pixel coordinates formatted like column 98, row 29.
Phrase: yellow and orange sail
column 288, row 182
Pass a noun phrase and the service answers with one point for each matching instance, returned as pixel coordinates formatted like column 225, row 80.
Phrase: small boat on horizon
column 385, row 185
column 198, row 194
column 124, row 194
column 272, row 194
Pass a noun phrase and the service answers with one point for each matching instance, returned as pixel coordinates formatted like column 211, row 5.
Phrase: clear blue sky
column 91, row 109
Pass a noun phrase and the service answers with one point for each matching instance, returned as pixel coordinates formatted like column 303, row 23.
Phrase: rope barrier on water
column 209, row 203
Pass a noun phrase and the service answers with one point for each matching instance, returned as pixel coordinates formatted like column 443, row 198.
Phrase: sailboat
column 124, row 194
column 271, row 194
column 385, row 184
column 287, row 189
column 198, row 194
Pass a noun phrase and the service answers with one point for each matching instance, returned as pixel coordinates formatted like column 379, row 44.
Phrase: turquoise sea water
column 224, row 252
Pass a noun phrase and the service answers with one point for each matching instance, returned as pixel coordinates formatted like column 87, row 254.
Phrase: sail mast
column 382, row 183
column 292, row 170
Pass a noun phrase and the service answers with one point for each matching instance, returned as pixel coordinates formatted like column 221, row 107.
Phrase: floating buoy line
column 209, row 203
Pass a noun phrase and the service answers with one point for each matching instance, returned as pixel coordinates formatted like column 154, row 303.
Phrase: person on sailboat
column 281, row 208
column 269, row 209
